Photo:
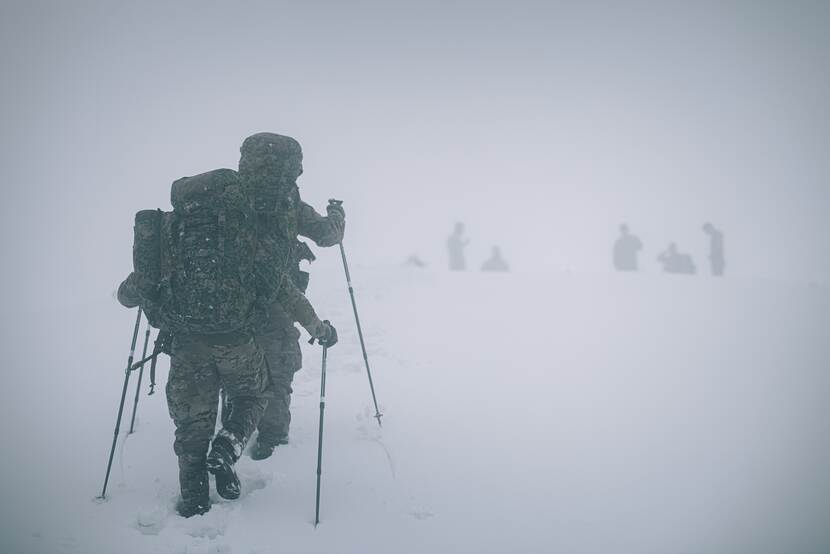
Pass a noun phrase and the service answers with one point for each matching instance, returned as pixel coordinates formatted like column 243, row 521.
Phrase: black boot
column 193, row 481
column 261, row 451
column 190, row 509
column 223, row 455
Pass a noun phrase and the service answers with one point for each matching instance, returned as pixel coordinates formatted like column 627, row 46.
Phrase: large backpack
column 196, row 264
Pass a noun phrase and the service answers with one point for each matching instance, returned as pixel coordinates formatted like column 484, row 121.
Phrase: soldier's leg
column 191, row 389
column 244, row 376
column 282, row 352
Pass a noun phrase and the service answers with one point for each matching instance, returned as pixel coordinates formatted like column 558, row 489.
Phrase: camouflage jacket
column 324, row 231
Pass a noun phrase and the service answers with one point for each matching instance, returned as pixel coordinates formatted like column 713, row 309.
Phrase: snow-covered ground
column 523, row 413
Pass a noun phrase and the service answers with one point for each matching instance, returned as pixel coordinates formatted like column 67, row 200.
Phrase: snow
column 556, row 412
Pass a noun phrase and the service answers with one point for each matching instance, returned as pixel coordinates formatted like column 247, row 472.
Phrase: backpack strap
column 164, row 340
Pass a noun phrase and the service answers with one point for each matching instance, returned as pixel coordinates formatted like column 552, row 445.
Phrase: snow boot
column 189, row 509
column 261, row 451
column 223, row 455
column 193, row 481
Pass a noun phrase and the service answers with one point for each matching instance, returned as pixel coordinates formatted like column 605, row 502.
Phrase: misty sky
column 541, row 125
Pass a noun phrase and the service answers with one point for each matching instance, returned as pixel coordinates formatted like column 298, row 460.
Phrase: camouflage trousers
column 282, row 352
column 199, row 367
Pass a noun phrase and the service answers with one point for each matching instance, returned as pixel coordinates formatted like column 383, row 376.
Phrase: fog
column 541, row 126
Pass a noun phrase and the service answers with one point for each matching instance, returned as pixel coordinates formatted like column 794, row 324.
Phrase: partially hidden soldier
column 199, row 275
column 676, row 262
column 274, row 162
column 495, row 262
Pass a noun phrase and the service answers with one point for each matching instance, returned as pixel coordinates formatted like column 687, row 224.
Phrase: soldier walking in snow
column 200, row 273
column 276, row 161
column 456, row 244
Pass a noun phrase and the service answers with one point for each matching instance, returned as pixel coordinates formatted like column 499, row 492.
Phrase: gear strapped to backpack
column 195, row 265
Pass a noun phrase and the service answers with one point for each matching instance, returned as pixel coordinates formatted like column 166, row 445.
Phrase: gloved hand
column 329, row 335
column 324, row 332
column 336, row 207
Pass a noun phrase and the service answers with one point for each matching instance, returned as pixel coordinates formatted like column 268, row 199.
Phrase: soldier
column 199, row 366
column 495, row 262
column 228, row 356
column 676, row 262
column 626, row 248
column 717, row 261
column 456, row 244
column 275, row 161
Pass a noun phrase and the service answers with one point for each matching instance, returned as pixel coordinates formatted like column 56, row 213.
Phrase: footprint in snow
column 209, row 526
column 251, row 484
column 151, row 522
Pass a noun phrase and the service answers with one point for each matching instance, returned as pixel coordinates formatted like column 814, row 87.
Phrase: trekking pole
column 140, row 375
column 121, row 404
column 377, row 415
column 320, row 435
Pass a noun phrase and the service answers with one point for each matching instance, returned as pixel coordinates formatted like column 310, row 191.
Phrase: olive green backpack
column 196, row 264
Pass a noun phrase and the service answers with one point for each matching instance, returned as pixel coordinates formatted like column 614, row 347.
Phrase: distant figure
column 626, row 248
column 414, row 261
column 675, row 262
column 456, row 244
column 716, row 258
column 496, row 262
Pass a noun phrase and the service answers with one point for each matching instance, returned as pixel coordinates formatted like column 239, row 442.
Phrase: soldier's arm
column 127, row 292
column 299, row 308
column 323, row 230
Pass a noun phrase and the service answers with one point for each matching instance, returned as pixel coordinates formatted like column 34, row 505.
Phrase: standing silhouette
column 717, row 261
column 456, row 244
column 626, row 248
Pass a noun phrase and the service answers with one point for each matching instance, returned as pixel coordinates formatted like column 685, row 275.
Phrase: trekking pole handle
column 322, row 341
